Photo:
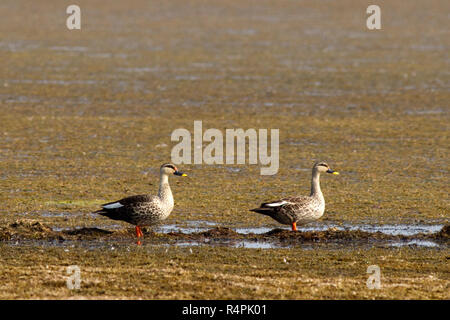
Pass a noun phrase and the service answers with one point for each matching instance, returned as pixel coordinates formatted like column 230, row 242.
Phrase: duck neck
column 315, row 184
column 164, row 192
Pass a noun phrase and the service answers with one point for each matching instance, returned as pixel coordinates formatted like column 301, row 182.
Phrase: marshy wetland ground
column 86, row 118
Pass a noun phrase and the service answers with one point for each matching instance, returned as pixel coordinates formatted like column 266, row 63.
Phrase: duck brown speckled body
column 300, row 209
column 144, row 210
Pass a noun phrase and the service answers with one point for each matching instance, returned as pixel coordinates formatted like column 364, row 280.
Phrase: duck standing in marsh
column 145, row 210
column 299, row 209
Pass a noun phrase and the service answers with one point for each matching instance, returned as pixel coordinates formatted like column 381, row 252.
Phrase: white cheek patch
column 114, row 205
column 276, row 204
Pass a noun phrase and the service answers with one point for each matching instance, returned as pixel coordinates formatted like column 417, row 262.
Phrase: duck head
column 322, row 166
column 168, row 169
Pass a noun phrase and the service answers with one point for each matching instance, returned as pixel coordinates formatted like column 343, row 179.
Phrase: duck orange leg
column 294, row 226
column 139, row 234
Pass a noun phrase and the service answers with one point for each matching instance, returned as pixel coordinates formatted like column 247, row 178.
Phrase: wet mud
column 35, row 230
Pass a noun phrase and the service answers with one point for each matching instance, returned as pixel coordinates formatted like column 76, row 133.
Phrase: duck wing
column 125, row 208
column 285, row 206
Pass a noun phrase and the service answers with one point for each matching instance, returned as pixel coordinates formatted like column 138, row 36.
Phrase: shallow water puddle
column 247, row 244
column 116, row 244
column 104, row 227
column 66, row 215
column 397, row 229
column 230, row 243
column 258, row 245
column 206, row 233
column 406, row 230
column 389, row 229
column 188, row 227
column 418, row 243
column 174, row 228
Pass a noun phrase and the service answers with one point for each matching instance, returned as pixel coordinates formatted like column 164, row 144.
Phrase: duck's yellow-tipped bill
column 184, row 175
column 335, row 172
